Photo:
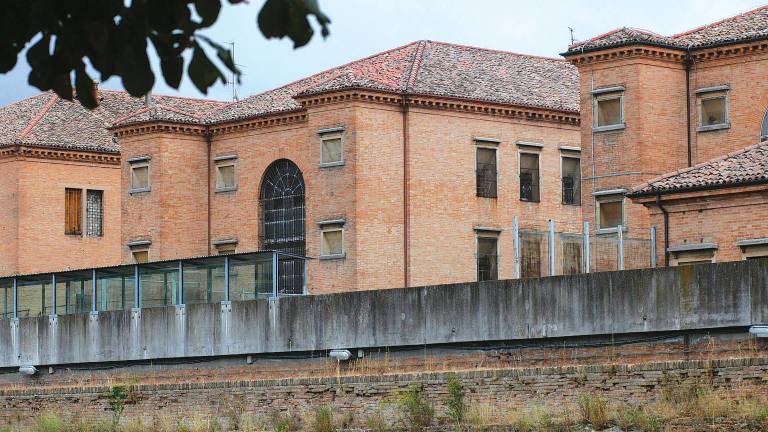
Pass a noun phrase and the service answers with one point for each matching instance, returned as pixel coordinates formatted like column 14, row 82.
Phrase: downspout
column 406, row 204
column 208, row 139
column 688, row 62
column 666, row 229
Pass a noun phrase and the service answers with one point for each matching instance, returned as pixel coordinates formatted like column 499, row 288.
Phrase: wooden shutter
column 73, row 211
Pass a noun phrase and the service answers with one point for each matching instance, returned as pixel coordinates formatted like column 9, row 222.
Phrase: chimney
column 95, row 90
column 148, row 99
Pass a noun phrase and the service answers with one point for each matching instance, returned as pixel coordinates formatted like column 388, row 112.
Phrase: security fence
column 212, row 279
column 548, row 253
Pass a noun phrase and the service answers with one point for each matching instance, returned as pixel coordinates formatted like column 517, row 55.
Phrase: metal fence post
column 585, row 234
column 274, row 274
column 136, row 287
column 93, row 290
column 53, row 294
column 305, row 288
column 620, row 247
column 653, row 246
column 516, row 245
column 180, row 299
column 551, row 247
column 226, row 278
column 15, row 298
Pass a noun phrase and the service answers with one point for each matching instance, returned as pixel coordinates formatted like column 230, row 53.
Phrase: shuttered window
column 73, row 211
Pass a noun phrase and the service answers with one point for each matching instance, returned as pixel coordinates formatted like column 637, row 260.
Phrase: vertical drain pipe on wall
column 208, row 140
column 666, row 229
column 688, row 62
column 406, row 205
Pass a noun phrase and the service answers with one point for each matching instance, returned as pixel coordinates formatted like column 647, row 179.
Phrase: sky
column 363, row 27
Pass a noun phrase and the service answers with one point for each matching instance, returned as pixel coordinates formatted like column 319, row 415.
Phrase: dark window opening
column 282, row 221
column 487, row 259
column 571, row 181
column 529, row 177
column 486, row 172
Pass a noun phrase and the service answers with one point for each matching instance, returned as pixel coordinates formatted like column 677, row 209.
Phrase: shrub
column 709, row 406
column 323, row 420
column 416, row 410
column 49, row 422
column 594, row 411
column 640, row 419
column 285, row 422
column 457, row 408
column 117, row 404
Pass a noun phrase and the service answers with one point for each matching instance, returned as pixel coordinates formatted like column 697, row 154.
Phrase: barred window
column 487, row 259
column 571, row 181
column 485, row 171
column 73, row 211
column 529, row 177
column 95, row 213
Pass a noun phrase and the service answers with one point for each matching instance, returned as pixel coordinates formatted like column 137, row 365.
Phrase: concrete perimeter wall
column 650, row 300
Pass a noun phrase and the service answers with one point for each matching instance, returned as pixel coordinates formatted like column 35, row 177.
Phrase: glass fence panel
column 74, row 293
column 250, row 277
column 204, row 281
column 637, row 253
column 159, row 285
column 291, row 275
column 569, row 249
column 6, row 298
column 534, row 254
column 115, row 289
column 603, row 252
column 30, row 294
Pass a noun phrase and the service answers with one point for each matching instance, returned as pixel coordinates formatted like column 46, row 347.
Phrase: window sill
column 332, row 257
column 572, row 204
column 331, row 164
column 609, row 128
column 226, row 189
column 716, row 127
column 489, row 197
column 530, row 201
column 139, row 191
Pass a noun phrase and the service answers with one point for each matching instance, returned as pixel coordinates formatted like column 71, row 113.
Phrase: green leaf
column 84, row 87
column 288, row 18
column 208, row 11
column 171, row 61
column 224, row 54
column 202, row 71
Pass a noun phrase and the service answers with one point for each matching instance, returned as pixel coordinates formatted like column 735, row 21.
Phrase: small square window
column 331, row 149
column 693, row 257
column 226, row 176
column 611, row 214
column 141, row 256
column 713, row 110
column 140, row 177
column 332, row 241
column 609, row 110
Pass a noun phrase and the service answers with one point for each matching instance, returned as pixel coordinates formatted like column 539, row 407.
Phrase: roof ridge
column 712, row 24
column 36, row 119
column 177, row 111
column 496, row 50
column 189, row 98
column 413, row 69
column 600, row 36
column 130, row 114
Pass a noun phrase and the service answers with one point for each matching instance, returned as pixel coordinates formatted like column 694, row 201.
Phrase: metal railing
column 209, row 279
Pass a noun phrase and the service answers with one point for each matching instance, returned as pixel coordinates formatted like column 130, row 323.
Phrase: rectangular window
column 611, row 213
column 530, row 257
column 693, row 257
column 529, row 177
column 332, row 240
column 487, row 259
column 94, row 213
column 571, row 173
column 226, row 175
column 485, row 172
column 331, row 149
column 140, row 181
column 141, row 256
column 609, row 110
column 713, row 110
column 73, row 211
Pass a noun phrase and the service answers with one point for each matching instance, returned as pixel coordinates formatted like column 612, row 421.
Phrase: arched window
column 281, row 203
column 764, row 128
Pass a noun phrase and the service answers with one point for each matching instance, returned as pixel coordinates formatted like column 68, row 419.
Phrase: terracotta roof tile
column 751, row 25
column 745, row 166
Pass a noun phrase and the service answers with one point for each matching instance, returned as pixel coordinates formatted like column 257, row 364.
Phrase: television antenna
column 235, row 97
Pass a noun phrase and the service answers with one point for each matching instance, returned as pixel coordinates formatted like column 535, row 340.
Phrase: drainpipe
column 666, row 229
column 406, row 205
column 208, row 139
column 688, row 62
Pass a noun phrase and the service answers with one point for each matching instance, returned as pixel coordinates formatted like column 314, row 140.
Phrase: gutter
column 697, row 188
column 208, row 139
column 666, row 229
column 406, row 204
column 688, row 62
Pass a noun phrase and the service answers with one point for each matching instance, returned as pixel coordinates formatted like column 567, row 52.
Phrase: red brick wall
column 9, row 214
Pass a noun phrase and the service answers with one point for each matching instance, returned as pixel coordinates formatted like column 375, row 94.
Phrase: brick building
column 654, row 104
column 405, row 168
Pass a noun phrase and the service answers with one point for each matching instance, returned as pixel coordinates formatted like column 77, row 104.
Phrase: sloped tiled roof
column 746, row 166
column 748, row 26
column 431, row 68
column 45, row 120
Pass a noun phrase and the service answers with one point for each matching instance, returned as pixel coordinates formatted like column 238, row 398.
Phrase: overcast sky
column 364, row 27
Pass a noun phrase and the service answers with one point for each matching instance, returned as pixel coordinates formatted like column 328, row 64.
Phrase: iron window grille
column 487, row 259
column 529, row 177
column 571, row 181
column 95, row 213
column 486, row 173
